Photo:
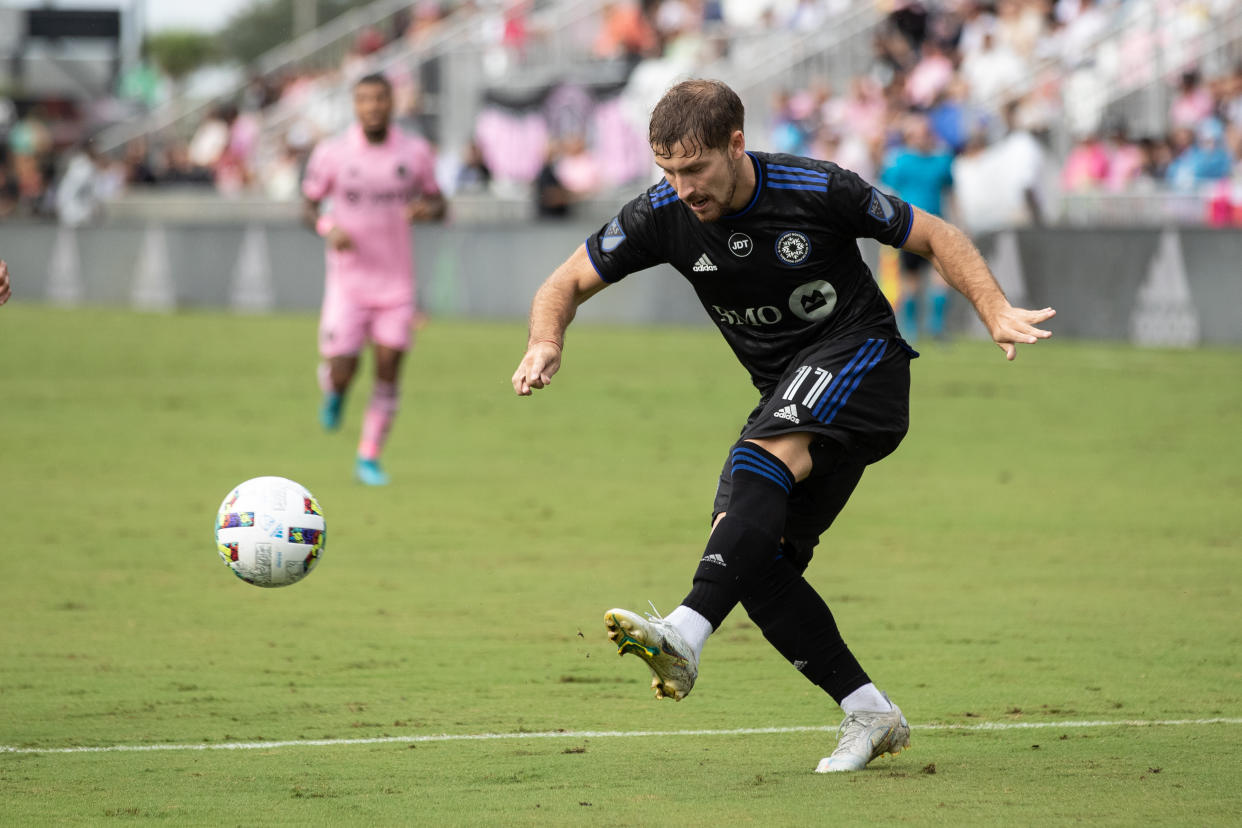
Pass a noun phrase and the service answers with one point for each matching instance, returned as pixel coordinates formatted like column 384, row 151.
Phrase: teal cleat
column 369, row 472
column 330, row 410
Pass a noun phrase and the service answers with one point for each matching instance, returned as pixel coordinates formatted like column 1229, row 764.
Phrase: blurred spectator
column 78, row 192
column 1001, row 185
column 1125, row 160
column 1086, row 166
column 953, row 117
column 474, row 177
column 552, row 199
column 281, row 177
column 1205, row 159
column 211, row 138
column 1193, row 102
column 626, row 33
column 577, row 170
column 8, row 188
column 929, row 77
column 992, row 70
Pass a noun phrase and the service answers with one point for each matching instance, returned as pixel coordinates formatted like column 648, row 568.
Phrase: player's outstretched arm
column 5, row 289
column 552, row 310
column 960, row 263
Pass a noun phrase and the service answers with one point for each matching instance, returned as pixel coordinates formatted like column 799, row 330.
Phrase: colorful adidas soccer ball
column 270, row 531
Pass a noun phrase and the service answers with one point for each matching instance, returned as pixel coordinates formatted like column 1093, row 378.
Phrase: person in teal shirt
column 920, row 172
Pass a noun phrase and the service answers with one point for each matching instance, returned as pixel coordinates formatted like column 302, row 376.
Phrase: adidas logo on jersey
column 703, row 264
column 714, row 558
column 790, row 413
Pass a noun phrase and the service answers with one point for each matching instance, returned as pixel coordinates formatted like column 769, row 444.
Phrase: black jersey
column 777, row 276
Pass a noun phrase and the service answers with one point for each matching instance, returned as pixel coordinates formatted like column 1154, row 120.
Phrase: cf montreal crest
column 793, row 247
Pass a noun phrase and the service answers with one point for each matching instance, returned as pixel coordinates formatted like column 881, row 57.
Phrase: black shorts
column 854, row 397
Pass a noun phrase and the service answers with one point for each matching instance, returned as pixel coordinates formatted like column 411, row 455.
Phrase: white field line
column 610, row 734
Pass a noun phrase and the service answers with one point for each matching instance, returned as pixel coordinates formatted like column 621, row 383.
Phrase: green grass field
column 1055, row 544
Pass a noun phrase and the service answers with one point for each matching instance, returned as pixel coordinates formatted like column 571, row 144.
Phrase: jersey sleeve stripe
column 794, row 177
column 663, row 201
column 799, row 170
column 821, row 188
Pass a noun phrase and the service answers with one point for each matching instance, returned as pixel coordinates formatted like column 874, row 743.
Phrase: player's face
column 372, row 107
column 707, row 180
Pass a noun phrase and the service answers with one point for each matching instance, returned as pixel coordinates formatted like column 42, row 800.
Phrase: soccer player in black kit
column 768, row 243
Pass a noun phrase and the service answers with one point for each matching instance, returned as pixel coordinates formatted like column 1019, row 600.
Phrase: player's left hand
column 1013, row 326
column 5, row 290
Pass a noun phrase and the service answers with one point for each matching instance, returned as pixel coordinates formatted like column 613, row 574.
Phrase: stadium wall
column 1145, row 285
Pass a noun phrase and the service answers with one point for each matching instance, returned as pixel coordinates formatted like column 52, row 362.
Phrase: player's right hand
column 5, row 289
column 542, row 360
column 338, row 239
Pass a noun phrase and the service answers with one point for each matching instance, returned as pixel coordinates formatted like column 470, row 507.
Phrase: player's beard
column 376, row 135
column 724, row 205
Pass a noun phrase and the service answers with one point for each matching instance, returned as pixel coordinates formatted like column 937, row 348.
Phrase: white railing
column 760, row 63
column 1145, row 209
column 331, row 40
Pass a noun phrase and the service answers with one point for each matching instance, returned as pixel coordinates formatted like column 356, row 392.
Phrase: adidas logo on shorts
column 703, row 264
column 714, row 558
column 790, row 413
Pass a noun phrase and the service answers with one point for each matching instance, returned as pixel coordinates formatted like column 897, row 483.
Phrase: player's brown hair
column 374, row 78
column 698, row 114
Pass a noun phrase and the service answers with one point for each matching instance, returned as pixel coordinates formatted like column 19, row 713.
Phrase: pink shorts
column 345, row 328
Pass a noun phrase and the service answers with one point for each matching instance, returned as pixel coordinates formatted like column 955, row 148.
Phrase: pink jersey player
column 362, row 189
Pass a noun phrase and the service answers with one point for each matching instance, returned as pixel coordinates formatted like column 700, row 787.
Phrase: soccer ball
column 270, row 531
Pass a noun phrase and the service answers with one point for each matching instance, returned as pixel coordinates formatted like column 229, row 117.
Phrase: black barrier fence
column 1155, row 286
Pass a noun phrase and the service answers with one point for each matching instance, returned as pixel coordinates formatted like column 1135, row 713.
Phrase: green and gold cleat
column 673, row 664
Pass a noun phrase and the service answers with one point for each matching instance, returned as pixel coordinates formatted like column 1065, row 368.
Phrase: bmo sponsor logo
column 756, row 317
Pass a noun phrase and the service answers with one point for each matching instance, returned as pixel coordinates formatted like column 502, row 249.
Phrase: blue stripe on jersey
column 847, row 387
column 663, row 201
column 834, row 387
column 877, row 354
column 820, row 174
column 822, row 188
column 792, row 177
column 662, row 189
column 750, row 460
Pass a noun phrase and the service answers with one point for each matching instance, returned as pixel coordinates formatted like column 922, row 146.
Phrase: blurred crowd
column 988, row 86
column 982, row 84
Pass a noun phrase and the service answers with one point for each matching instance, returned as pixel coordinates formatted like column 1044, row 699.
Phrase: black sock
column 797, row 622
column 748, row 538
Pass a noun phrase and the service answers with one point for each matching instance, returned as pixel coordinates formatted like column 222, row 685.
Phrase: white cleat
column 865, row 736
column 657, row 642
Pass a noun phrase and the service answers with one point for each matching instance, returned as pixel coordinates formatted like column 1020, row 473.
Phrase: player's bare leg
column 381, row 410
column 335, row 376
